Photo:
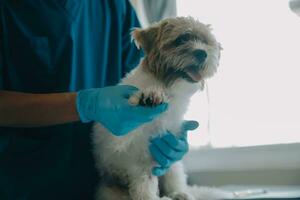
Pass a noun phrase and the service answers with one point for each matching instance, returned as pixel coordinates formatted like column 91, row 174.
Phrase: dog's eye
column 182, row 39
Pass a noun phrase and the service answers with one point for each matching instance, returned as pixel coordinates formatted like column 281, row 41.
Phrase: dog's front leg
column 174, row 183
column 144, row 187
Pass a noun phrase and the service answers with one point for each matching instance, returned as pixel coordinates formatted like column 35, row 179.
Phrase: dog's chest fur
column 120, row 156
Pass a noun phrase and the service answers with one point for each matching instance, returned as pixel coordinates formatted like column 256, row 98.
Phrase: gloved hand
column 168, row 148
column 109, row 106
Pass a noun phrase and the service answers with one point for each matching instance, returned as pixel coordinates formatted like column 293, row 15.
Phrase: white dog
column 180, row 53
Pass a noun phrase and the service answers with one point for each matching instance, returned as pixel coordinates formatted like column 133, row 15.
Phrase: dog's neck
column 178, row 95
column 150, row 67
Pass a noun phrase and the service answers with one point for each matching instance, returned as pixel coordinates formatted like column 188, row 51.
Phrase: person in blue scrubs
column 52, row 53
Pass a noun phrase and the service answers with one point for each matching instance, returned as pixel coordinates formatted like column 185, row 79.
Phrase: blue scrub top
column 51, row 46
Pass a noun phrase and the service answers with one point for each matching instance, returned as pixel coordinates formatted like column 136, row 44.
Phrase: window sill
column 258, row 165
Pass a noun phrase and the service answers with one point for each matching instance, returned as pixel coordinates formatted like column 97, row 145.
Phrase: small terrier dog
column 180, row 53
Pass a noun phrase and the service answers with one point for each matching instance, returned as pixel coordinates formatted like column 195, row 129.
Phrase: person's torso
column 57, row 46
column 42, row 39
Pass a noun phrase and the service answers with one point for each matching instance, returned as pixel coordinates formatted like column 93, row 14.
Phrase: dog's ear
column 145, row 38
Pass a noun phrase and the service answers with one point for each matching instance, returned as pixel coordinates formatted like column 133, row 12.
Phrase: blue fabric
column 57, row 46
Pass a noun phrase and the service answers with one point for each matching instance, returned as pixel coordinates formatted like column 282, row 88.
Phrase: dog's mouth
column 192, row 73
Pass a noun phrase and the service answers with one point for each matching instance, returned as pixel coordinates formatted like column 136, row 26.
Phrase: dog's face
column 179, row 48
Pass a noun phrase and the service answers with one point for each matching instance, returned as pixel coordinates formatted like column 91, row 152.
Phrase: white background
column 254, row 98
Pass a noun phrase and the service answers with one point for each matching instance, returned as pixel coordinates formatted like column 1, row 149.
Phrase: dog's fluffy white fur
column 125, row 163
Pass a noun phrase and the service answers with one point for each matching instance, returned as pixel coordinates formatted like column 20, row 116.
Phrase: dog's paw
column 181, row 196
column 150, row 97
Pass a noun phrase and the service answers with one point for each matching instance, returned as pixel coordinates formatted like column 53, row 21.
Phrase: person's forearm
column 34, row 110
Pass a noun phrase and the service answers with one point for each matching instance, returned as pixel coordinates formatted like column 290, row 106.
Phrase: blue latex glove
column 109, row 106
column 168, row 148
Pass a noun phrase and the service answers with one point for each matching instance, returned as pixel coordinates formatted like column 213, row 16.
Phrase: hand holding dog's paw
column 109, row 106
column 150, row 97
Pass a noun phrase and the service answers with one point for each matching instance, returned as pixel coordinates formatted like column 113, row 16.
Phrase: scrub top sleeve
column 130, row 54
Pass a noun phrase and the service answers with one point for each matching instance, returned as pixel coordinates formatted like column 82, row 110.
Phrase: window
column 254, row 98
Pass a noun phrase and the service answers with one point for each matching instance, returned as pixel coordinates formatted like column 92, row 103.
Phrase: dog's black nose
column 200, row 55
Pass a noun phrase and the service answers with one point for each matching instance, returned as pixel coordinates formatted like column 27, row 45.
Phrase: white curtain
column 150, row 11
